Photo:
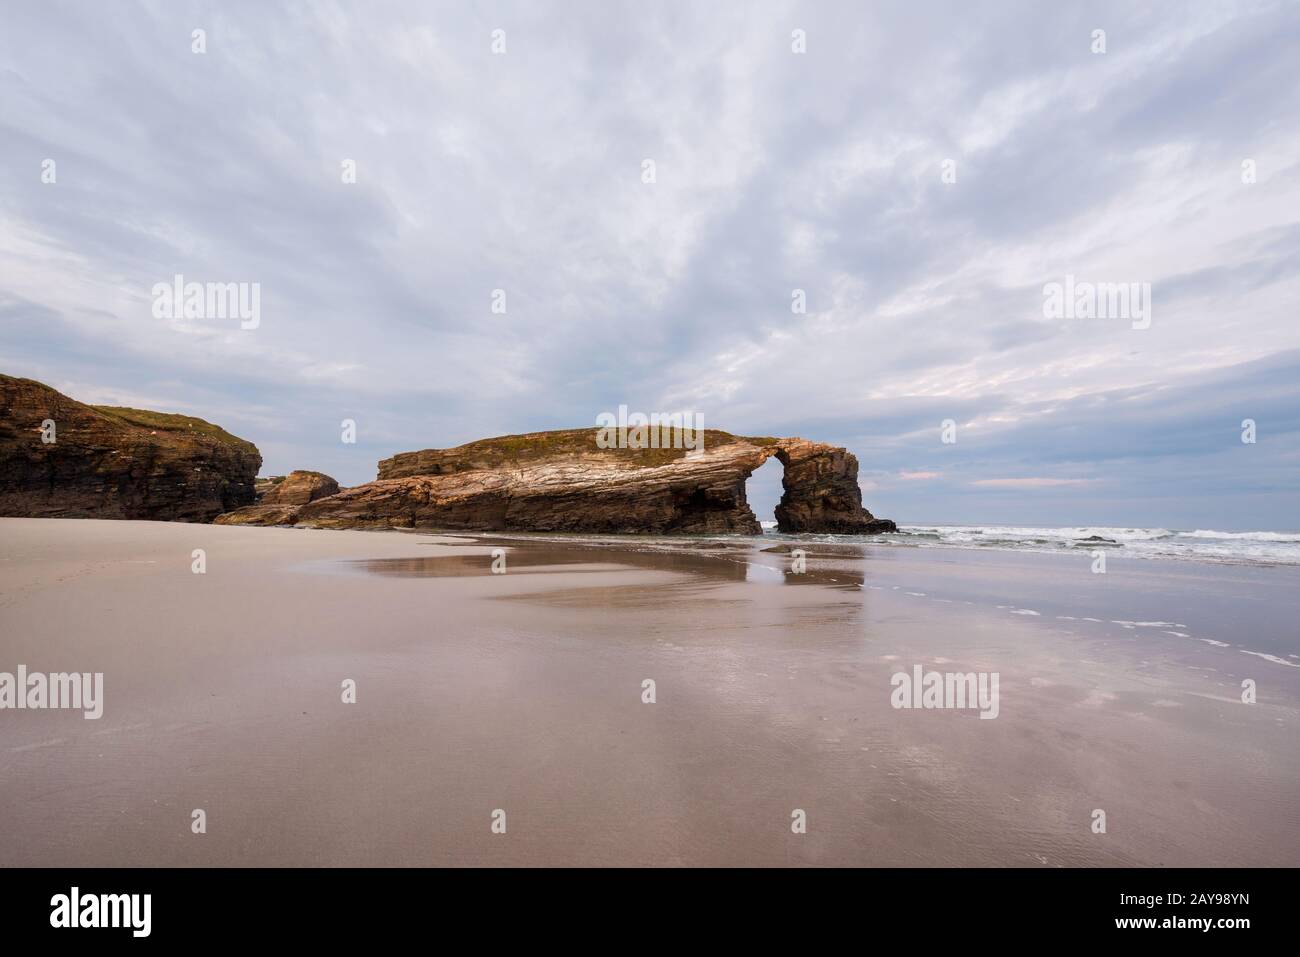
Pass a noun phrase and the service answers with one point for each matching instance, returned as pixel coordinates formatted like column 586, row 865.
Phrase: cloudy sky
column 774, row 171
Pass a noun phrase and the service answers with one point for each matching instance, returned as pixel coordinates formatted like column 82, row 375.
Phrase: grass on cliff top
column 146, row 419
column 173, row 422
column 539, row 445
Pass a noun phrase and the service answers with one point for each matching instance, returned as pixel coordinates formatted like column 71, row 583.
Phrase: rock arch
column 821, row 491
column 561, row 481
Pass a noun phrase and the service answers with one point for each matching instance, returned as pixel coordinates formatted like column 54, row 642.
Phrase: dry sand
column 523, row 691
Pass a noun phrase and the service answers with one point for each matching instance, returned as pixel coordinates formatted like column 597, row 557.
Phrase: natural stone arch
column 562, row 481
column 820, row 490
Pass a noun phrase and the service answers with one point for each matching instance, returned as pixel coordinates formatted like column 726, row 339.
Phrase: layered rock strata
column 60, row 458
column 564, row 482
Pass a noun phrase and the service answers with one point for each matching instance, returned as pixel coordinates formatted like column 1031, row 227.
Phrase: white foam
column 1273, row 658
column 1242, row 536
column 1258, row 547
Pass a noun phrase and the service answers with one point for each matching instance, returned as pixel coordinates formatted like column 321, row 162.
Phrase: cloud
column 1033, row 482
column 775, row 171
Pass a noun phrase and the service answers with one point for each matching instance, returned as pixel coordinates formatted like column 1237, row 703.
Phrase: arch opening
column 763, row 490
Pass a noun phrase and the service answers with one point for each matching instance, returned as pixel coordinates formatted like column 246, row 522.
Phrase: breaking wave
column 1263, row 547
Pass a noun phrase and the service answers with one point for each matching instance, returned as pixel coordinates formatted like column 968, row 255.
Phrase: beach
column 523, row 691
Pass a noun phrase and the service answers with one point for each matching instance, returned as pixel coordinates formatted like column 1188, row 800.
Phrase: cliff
column 109, row 462
column 563, row 482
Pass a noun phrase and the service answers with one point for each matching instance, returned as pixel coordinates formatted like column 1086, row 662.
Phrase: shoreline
column 523, row 691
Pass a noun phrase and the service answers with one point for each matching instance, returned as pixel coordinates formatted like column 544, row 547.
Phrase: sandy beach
column 523, row 692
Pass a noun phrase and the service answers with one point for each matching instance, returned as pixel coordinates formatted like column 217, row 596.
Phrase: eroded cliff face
column 563, row 482
column 108, row 462
column 822, row 492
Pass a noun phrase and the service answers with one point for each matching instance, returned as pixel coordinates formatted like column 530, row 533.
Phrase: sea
column 1203, row 545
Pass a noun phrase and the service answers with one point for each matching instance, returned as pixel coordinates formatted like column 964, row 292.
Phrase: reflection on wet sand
column 719, row 561
column 469, row 566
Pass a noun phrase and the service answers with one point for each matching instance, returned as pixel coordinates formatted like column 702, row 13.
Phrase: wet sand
column 523, row 692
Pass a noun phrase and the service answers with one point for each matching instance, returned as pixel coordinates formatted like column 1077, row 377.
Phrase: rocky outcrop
column 260, row 515
column 300, row 487
column 109, row 462
column 563, row 482
column 278, row 499
column 822, row 492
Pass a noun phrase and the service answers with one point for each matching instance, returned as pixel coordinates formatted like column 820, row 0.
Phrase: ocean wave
column 1237, row 548
column 1259, row 547
column 1242, row 536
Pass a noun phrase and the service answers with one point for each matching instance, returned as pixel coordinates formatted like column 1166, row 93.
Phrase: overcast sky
column 774, row 171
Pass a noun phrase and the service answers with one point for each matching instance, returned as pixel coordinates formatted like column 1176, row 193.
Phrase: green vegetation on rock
column 173, row 422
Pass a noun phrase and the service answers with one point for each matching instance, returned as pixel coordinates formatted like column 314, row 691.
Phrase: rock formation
column 108, row 462
column 279, row 497
column 563, row 482
column 300, row 487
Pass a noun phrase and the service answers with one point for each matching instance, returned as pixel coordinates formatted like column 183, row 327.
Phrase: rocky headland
column 60, row 458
